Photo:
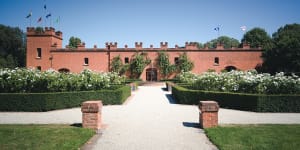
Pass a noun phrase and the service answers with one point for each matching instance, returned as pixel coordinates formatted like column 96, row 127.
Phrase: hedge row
column 36, row 102
column 240, row 101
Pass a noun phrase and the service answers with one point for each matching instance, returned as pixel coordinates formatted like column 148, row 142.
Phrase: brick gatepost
column 91, row 115
column 208, row 117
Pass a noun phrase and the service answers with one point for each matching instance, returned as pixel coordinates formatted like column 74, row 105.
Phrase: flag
column 29, row 15
column 243, row 28
column 217, row 28
column 45, row 7
column 49, row 15
column 57, row 20
column 39, row 20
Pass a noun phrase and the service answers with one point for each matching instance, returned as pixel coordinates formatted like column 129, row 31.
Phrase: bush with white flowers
column 243, row 82
column 22, row 80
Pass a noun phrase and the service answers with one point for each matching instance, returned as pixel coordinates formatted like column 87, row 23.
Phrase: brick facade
column 54, row 56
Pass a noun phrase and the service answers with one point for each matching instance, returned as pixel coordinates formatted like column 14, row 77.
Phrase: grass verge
column 43, row 137
column 255, row 137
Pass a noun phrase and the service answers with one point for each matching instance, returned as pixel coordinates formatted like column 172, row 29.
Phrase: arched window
column 64, row 70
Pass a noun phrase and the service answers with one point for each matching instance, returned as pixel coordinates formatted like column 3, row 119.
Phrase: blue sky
column 150, row 21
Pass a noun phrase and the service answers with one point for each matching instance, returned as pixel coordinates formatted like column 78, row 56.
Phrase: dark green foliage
column 285, row 56
column 51, row 101
column 12, row 47
column 164, row 64
column 74, row 41
column 116, row 65
column 225, row 40
column 137, row 64
column 258, row 37
column 240, row 101
column 185, row 64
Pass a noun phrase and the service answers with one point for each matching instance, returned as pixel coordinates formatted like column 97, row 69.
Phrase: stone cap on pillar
column 208, row 106
column 91, row 107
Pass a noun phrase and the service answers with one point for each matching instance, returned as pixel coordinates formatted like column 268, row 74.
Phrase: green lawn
column 43, row 137
column 255, row 137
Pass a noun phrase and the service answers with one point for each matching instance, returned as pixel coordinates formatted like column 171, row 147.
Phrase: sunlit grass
column 43, row 137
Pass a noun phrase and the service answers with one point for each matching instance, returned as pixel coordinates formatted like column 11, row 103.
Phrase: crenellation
column 164, row 45
column 191, row 45
column 138, row 46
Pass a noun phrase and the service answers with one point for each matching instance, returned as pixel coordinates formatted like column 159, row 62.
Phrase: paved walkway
column 150, row 120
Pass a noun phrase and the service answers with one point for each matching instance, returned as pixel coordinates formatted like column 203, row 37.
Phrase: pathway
column 149, row 121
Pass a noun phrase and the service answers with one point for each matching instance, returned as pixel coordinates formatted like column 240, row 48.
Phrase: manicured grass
column 43, row 137
column 255, row 137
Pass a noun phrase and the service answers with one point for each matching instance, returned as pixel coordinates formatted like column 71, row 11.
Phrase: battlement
column 164, row 45
column 191, row 45
column 138, row 45
column 111, row 46
column 47, row 31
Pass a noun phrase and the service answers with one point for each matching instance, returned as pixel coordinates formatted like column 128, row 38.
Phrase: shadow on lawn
column 78, row 125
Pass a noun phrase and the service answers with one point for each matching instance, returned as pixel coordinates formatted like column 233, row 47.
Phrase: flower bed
column 242, row 82
column 34, row 81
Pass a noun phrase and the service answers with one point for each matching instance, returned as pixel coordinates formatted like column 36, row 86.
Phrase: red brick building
column 45, row 51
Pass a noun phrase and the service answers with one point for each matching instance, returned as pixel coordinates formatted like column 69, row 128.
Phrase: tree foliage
column 285, row 56
column 116, row 64
column 185, row 64
column 258, row 37
column 137, row 64
column 74, row 41
column 164, row 65
column 12, row 47
column 228, row 42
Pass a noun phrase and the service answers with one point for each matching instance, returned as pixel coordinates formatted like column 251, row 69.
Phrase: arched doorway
column 151, row 74
column 230, row 68
column 64, row 70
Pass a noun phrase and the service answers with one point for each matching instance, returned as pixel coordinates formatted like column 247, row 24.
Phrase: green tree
column 164, row 65
column 74, row 41
column 258, row 37
column 137, row 64
column 285, row 56
column 227, row 41
column 12, row 47
column 116, row 64
column 184, row 64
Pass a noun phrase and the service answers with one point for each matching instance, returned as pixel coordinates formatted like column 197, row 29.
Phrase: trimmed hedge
column 240, row 101
column 36, row 102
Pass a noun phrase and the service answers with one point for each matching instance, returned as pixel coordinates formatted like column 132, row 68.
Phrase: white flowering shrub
column 22, row 80
column 243, row 82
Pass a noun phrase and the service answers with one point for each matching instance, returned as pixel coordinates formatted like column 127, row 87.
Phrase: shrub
column 242, row 82
column 240, row 101
column 34, row 81
column 59, row 100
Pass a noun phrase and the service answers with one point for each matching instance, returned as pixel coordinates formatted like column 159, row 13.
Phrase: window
column 176, row 60
column 216, row 60
column 39, row 52
column 126, row 60
column 86, row 61
column 39, row 68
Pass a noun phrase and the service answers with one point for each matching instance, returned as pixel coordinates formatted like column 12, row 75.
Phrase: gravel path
column 149, row 121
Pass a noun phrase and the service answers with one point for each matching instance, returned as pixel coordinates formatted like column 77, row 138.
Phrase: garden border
column 39, row 102
column 240, row 101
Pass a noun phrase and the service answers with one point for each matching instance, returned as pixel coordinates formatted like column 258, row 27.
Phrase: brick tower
column 40, row 41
